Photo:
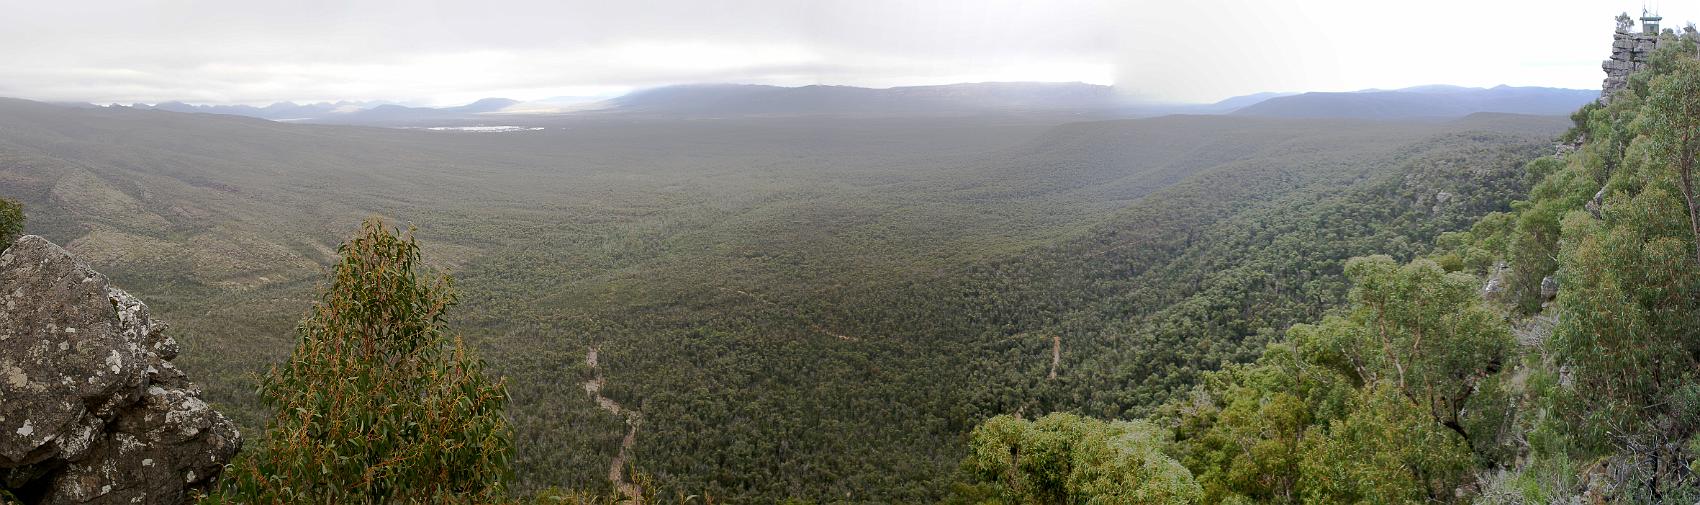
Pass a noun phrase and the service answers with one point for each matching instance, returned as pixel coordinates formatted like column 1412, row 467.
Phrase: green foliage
column 1371, row 405
column 647, row 494
column 825, row 307
column 1532, row 249
column 11, row 222
column 1068, row 459
column 1244, row 429
column 377, row 404
column 1416, row 329
column 1672, row 124
column 1579, row 118
column 1388, row 450
column 1629, row 329
column 1200, row 290
column 833, row 333
column 1182, row 280
column 1604, row 402
column 1673, row 52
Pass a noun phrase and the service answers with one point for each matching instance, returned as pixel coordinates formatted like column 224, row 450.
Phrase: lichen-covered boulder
column 91, row 408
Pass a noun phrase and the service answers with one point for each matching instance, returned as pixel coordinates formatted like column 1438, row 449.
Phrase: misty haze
column 822, row 251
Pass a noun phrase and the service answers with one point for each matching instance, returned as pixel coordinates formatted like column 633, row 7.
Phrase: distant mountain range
column 400, row 115
column 374, row 113
column 1086, row 100
column 748, row 100
column 281, row 111
column 1424, row 101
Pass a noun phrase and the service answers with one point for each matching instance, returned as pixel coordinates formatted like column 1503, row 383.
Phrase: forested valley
column 1009, row 309
column 895, row 369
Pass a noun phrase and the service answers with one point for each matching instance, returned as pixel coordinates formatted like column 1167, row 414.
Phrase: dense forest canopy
column 818, row 309
column 820, row 333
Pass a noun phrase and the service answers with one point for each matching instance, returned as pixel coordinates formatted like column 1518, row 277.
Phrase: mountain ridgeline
column 1424, row 101
column 1083, row 101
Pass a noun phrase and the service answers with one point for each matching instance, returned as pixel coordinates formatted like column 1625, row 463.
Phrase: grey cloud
column 219, row 50
column 223, row 51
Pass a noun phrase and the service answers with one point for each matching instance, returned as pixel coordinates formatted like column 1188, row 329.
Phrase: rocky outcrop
column 1549, row 288
column 1629, row 53
column 91, row 408
column 1495, row 290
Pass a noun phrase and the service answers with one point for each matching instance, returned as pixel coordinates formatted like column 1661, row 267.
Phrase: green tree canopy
column 1373, row 404
column 11, row 222
column 1415, row 328
column 1629, row 324
column 378, row 404
column 1672, row 124
column 1067, row 459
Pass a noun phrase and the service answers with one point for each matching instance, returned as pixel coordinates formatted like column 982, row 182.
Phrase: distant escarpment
column 91, row 408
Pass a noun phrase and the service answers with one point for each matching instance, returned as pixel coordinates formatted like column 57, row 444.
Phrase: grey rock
column 1549, row 287
column 1597, row 204
column 1440, row 200
column 91, row 408
column 1495, row 288
column 1629, row 53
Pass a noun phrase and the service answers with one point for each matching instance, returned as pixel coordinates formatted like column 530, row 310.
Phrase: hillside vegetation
column 813, row 379
column 818, row 309
column 1573, row 380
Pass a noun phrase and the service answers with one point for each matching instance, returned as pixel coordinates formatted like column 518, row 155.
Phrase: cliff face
column 91, row 408
column 1629, row 53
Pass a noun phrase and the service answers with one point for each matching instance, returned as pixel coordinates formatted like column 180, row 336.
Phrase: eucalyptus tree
column 378, row 403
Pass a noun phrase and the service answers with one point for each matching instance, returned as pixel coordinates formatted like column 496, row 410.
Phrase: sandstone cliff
column 1629, row 54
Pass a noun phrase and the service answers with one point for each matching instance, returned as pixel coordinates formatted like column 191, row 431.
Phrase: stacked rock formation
column 91, row 408
column 1629, row 52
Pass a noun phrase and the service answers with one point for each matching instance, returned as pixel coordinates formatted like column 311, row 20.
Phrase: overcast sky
column 442, row 52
